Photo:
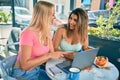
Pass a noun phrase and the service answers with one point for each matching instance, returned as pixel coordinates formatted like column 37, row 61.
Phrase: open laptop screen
column 81, row 60
column 85, row 58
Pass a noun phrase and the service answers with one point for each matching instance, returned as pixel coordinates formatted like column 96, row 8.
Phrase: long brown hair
column 82, row 24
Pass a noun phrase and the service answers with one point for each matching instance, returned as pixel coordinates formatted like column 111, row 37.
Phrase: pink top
column 28, row 37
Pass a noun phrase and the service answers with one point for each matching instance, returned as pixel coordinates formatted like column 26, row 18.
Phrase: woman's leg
column 31, row 75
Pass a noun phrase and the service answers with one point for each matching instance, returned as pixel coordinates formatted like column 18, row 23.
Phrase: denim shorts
column 34, row 74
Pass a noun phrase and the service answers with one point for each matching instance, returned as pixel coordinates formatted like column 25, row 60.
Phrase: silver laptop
column 81, row 60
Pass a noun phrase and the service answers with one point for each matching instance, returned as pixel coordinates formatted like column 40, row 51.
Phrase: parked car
column 86, row 7
column 22, row 15
column 94, row 16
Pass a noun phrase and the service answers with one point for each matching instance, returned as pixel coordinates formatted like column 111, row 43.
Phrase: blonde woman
column 72, row 37
column 36, row 44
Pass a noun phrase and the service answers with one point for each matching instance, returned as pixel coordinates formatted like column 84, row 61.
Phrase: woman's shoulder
column 61, row 28
column 27, row 31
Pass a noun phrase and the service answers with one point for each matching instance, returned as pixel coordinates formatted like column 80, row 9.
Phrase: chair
column 5, row 30
column 13, row 41
column 6, row 66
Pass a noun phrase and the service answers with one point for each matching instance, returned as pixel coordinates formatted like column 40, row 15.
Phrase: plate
column 105, row 65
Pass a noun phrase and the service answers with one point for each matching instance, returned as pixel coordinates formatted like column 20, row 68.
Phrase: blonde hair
column 41, row 18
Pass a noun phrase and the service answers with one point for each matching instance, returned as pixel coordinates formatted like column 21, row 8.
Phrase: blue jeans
column 34, row 74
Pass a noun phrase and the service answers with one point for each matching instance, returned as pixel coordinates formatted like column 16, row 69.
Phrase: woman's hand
column 69, row 55
column 57, row 55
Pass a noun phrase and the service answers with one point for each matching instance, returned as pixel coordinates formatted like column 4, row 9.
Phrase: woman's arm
column 57, row 38
column 51, row 45
column 69, row 55
column 85, row 45
column 27, row 63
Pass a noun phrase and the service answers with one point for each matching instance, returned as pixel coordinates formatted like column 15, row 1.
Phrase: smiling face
column 72, row 21
column 52, row 16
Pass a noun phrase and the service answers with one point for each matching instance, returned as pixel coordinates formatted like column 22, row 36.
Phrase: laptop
column 81, row 60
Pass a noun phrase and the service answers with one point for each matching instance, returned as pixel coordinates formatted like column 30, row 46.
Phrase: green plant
column 105, row 27
column 4, row 17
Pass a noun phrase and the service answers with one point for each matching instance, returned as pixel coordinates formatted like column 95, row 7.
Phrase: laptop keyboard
column 64, row 66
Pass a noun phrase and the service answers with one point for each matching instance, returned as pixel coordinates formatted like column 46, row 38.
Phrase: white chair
column 13, row 40
column 5, row 30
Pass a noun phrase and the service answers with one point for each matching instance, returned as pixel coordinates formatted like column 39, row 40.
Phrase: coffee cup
column 74, row 74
